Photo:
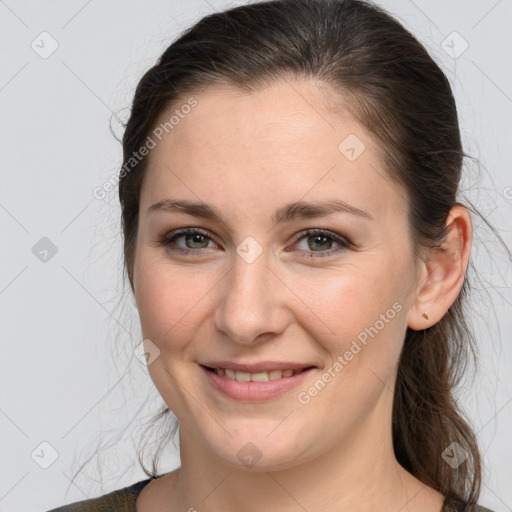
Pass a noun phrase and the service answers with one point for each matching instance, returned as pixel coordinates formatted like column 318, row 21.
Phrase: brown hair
column 394, row 89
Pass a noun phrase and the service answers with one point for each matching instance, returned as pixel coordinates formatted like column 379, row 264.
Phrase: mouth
column 257, row 386
column 261, row 376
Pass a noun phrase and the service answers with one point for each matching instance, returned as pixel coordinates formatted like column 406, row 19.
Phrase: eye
column 196, row 239
column 322, row 241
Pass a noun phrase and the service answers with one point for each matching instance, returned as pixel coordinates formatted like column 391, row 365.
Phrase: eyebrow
column 293, row 211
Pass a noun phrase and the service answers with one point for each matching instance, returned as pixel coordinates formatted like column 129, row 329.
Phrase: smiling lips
column 262, row 366
column 264, row 376
column 255, row 382
column 257, row 372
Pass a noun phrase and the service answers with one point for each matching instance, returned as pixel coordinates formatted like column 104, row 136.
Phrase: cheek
column 368, row 320
column 360, row 317
column 348, row 301
column 169, row 300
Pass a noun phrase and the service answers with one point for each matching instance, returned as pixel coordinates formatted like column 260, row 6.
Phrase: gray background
column 68, row 376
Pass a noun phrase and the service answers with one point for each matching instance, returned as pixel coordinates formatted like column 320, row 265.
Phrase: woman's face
column 253, row 287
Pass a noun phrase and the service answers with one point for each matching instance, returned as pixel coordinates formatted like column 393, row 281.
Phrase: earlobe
column 444, row 269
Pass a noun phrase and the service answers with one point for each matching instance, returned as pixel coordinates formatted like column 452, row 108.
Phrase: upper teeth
column 255, row 377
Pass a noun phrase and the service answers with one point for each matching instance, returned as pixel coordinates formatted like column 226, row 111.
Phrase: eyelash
column 344, row 243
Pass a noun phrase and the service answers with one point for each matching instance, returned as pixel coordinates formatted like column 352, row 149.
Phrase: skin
column 249, row 154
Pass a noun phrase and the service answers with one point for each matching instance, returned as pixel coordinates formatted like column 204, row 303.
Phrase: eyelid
column 166, row 239
column 343, row 242
column 321, row 231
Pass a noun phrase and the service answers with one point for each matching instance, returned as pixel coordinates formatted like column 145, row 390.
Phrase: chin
column 261, row 451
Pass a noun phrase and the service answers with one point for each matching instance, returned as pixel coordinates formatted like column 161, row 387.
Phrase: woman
column 298, row 254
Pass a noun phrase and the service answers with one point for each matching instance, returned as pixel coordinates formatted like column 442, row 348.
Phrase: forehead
column 284, row 112
column 285, row 138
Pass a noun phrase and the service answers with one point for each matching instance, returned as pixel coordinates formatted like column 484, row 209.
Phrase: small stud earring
column 425, row 315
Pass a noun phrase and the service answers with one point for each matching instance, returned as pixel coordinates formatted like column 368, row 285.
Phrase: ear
column 442, row 272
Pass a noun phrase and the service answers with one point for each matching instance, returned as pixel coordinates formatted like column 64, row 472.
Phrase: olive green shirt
column 123, row 500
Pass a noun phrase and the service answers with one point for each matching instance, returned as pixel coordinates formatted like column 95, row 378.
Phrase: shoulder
column 120, row 500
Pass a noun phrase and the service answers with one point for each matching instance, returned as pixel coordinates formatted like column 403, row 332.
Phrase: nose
column 251, row 304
